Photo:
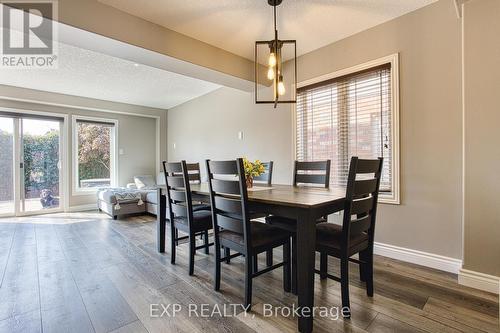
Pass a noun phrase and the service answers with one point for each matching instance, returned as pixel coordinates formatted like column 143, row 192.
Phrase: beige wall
column 136, row 134
column 482, row 136
column 208, row 126
column 429, row 43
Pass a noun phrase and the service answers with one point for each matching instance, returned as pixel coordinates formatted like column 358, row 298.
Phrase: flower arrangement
column 252, row 169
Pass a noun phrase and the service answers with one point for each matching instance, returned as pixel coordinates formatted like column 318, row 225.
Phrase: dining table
column 304, row 204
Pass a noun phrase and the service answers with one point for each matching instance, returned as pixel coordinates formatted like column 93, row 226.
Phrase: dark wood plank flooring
column 83, row 272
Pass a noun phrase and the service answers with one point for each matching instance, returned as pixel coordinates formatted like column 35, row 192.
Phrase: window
column 94, row 153
column 353, row 113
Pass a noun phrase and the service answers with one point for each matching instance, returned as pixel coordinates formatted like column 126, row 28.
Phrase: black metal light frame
column 276, row 45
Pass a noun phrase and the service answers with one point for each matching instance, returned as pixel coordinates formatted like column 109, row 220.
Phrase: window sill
column 80, row 192
column 390, row 200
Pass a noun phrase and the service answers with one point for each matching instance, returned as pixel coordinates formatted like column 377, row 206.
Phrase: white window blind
column 347, row 116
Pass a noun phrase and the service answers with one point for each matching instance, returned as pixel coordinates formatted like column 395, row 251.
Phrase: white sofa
column 143, row 197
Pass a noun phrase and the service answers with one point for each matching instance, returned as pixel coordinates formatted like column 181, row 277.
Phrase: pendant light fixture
column 270, row 57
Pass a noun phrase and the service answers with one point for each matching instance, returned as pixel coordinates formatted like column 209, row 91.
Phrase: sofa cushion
column 106, row 196
column 160, row 179
column 109, row 194
column 152, row 197
column 144, row 181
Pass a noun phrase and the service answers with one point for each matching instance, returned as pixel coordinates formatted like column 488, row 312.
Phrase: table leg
column 161, row 222
column 306, row 245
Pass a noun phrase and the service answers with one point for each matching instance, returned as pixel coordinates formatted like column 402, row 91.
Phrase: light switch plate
column 120, row 151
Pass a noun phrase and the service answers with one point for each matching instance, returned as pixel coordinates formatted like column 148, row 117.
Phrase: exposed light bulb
column 270, row 73
column 272, row 59
column 281, row 87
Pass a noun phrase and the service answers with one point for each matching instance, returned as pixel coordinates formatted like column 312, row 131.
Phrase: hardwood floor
column 83, row 272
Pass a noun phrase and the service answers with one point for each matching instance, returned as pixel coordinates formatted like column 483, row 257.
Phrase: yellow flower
column 254, row 169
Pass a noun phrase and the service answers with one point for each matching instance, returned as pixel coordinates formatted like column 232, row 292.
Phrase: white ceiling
column 234, row 25
column 96, row 75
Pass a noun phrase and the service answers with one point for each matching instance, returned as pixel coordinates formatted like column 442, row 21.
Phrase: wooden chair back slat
column 230, row 223
column 194, row 177
column 312, row 166
column 193, row 166
column 365, row 187
column 267, row 176
column 362, row 206
column 310, row 179
column 173, row 168
column 367, row 166
column 360, row 225
column 223, row 167
column 226, row 186
column 312, row 173
column 228, row 205
column 179, row 210
column 177, row 196
column 176, row 182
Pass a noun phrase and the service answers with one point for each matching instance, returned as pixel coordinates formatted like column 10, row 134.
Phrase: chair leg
column 248, row 281
column 207, row 248
column 227, row 253
column 369, row 273
column 323, row 265
column 255, row 263
column 192, row 251
column 362, row 267
column 176, row 236
column 294, row 265
column 172, row 244
column 344, row 283
column 287, row 267
column 217, row 268
column 269, row 258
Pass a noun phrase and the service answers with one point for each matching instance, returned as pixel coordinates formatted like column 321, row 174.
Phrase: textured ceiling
column 234, row 25
column 90, row 74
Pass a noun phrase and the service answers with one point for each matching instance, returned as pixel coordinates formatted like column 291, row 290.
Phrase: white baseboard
column 83, row 208
column 480, row 281
column 426, row 259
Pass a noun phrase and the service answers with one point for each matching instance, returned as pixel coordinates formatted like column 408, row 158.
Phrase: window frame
column 76, row 190
column 393, row 59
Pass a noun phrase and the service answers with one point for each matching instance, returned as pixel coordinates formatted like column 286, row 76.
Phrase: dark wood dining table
column 305, row 204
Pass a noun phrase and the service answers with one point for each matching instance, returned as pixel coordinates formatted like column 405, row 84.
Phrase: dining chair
column 267, row 176
column 315, row 174
column 181, row 214
column 194, row 174
column 234, row 229
column 356, row 233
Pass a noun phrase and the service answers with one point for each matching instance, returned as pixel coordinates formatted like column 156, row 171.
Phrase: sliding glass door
column 31, row 164
column 7, row 188
column 40, row 165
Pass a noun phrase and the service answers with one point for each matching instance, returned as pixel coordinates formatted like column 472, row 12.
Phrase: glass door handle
column 21, row 165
